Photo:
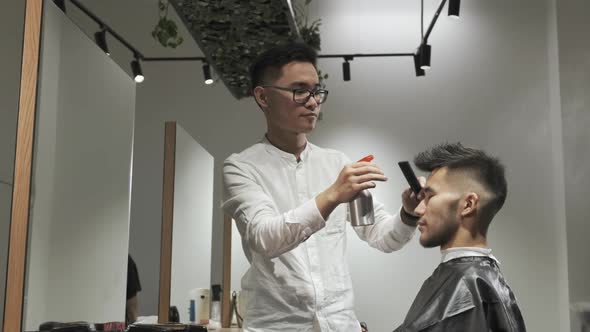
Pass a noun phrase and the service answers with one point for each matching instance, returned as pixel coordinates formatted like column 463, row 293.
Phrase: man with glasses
column 286, row 196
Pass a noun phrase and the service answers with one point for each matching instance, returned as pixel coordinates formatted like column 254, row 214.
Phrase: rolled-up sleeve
column 266, row 230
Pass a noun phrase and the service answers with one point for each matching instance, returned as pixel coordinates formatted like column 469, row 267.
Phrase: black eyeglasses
column 301, row 95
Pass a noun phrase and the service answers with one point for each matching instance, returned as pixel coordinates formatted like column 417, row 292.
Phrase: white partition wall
column 488, row 89
column 78, row 241
column 193, row 213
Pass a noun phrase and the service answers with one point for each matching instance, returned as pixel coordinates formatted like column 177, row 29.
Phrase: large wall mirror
column 187, row 206
column 80, row 192
column 79, row 215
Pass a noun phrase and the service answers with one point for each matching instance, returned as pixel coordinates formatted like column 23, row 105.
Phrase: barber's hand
column 352, row 179
column 410, row 200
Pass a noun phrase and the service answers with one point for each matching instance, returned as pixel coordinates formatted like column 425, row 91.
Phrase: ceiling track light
column 346, row 68
column 454, row 7
column 136, row 69
column 421, row 57
column 101, row 40
column 207, row 73
column 419, row 71
column 424, row 56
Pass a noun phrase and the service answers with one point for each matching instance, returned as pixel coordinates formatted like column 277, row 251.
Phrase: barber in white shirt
column 286, row 197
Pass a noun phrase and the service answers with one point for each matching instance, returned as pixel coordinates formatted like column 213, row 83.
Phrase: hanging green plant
column 231, row 33
column 309, row 31
column 166, row 30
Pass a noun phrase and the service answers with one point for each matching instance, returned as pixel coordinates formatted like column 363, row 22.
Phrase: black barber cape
column 464, row 294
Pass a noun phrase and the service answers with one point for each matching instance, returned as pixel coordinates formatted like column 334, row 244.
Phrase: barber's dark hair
column 268, row 64
column 485, row 169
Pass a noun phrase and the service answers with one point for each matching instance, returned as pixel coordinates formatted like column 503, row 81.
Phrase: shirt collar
column 458, row 252
column 286, row 155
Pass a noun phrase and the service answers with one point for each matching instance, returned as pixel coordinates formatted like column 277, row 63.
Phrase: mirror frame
column 21, row 191
column 226, row 278
column 167, row 221
column 169, row 173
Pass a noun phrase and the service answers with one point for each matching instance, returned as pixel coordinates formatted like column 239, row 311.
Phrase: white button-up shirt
column 298, row 278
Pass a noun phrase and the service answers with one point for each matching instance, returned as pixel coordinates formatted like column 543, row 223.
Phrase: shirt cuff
column 308, row 215
column 401, row 229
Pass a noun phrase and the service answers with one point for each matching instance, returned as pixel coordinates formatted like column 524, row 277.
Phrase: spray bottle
column 361, row 208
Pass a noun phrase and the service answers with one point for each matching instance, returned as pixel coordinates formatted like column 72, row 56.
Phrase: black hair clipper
column 410, row 176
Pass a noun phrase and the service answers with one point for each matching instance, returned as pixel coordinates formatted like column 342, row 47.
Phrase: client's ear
column 470, row 204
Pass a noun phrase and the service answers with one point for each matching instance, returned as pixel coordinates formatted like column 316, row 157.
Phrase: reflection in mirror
column 11, row 19
column 79, row 221
column 192, row 226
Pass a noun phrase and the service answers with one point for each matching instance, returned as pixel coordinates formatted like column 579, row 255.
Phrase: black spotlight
column 424, row 56
column 419, row 71
column 101, row 40
column 207, row 73
column 136, row 69
column 346, row 68
column 454, row 6
column 61, row 4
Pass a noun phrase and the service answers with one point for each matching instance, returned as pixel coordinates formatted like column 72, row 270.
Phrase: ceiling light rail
column 421, row 56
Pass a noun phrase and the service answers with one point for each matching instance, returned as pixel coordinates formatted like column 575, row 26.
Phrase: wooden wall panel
column 19, row 222
column 167, row 219
column 226, row 281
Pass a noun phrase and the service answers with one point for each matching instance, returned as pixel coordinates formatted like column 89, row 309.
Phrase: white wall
column 489, row 87
column 574, row 65
column 81, row 211
column 493, row 85
column 501, row 102
column 11, row 31
column 144, row 239
column 558, row 188
column 43, row 175
column 193, row 209
column 214, row 119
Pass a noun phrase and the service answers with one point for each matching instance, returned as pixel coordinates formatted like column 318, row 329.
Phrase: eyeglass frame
column 292, row 90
